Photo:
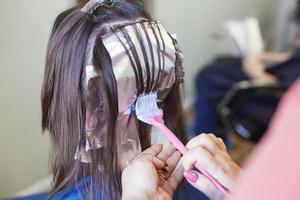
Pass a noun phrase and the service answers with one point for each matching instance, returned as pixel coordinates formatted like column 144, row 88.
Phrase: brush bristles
column 146, row 105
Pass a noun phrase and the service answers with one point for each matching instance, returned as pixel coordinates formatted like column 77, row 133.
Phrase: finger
column 206, row 142
column 231, row 170
column 205, row 159
column 173, row 161
column 204, row 185
column 165, row 154
column 150, row 155
column 153, row 150
column 225, row 160
column 176, row 176
column 219, row 142
column 159, row 164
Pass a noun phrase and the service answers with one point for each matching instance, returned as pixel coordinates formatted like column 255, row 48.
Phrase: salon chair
column 247, row 126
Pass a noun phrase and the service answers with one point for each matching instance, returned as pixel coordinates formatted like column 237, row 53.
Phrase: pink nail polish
column 191, row 176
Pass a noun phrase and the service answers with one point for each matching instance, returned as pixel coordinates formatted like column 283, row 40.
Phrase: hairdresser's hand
column 152, row 175
column 210, row 152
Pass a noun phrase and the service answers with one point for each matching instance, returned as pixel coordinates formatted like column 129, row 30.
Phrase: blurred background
column 200, row 26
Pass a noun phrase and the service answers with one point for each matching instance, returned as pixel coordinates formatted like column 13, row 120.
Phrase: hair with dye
column 64, row 98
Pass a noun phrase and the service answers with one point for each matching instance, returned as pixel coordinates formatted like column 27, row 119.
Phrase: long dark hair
column 64, row 99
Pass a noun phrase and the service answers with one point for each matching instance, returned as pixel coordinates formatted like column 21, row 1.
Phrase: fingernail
column 191, row 176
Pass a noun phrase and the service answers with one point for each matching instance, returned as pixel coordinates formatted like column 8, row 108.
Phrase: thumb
column 201, row 183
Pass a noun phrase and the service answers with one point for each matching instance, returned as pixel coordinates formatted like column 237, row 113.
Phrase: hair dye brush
column 148, row 112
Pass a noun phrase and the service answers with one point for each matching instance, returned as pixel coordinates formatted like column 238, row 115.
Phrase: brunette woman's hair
column 64, row 99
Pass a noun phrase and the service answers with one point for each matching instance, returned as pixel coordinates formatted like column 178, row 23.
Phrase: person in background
column 218, row 77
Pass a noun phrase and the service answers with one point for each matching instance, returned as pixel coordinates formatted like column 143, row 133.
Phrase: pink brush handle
column 182, row 149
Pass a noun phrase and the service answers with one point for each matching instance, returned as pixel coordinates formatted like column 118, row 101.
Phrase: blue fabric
column 187, row 192
column 71, row 194
column 212, row 83
column 74, row 192
column 184, row 192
